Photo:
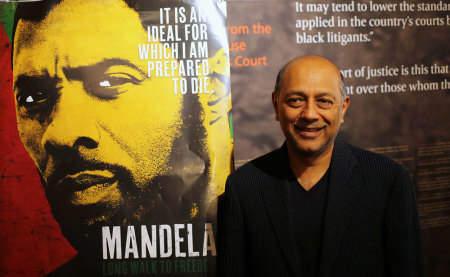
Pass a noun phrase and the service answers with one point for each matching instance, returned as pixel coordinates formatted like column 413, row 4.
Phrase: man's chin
column 310, row 147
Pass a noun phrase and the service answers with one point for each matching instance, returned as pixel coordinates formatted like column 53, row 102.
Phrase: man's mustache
column 71, row 162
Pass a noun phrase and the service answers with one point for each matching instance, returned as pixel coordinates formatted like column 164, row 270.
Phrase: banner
column 115, row 137
column 395, row 61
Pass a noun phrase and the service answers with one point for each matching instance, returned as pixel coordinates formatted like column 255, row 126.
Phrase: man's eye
column 36, row 105
column 324, row 103
column 108, row 86
column 32, row 98
column 295, row 101
column 29, row 99
column 113, row 80
column 105, row 83
column 36, row 95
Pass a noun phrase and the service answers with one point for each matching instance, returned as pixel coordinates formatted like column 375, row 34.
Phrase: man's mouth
column 309, row 132
column 88, row 187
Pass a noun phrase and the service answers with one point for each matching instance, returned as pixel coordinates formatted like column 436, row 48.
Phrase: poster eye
column 117, row 79
column 33, row 98
column 105, row 84
column 29, row 99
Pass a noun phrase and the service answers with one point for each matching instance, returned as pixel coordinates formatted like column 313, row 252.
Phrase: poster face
column 123, row 109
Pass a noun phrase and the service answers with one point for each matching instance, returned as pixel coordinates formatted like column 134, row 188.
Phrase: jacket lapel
column 342, row 193
column 275, row 196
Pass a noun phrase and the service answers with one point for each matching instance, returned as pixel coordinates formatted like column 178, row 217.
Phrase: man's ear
column 275, row 105
column 345, row 107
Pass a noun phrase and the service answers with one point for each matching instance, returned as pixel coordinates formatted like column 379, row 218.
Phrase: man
column 113, row 147
column 318, row 206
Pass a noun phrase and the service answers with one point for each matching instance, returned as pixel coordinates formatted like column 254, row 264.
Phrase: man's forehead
column 313, row 64
column 311, row 75
column 78, row 33
column 69, row 16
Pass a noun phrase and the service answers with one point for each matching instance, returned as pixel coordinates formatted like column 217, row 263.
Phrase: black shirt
column 308, row 209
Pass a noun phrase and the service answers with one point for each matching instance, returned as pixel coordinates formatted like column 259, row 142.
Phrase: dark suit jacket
column 370, row 225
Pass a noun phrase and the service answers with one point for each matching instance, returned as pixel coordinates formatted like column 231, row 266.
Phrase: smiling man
column 110, row 143
column 318, row 206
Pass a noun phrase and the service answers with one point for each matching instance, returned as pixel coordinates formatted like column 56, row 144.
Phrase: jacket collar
column 276, row 200
column 342, row 192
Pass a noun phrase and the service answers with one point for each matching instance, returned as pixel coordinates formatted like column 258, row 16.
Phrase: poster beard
column 165, row 199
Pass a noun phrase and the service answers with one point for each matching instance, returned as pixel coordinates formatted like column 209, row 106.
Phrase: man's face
column 309, row 107
column 98, row 129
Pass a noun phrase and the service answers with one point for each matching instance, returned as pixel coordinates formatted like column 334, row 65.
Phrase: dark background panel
column 411, row 127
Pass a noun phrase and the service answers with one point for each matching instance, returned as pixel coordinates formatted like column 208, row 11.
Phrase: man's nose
column 72, row 124
column 309, row 111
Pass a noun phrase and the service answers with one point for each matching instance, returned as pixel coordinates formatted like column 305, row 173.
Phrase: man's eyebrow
column 301, row 93
column 329, row 94
column 295, row 92
column 26, row 81
column 81, row 72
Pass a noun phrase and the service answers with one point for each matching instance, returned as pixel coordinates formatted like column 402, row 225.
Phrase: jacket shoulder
column 374, row 162
column 270, row 165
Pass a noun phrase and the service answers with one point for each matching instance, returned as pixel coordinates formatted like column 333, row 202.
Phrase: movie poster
column 116, row 136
